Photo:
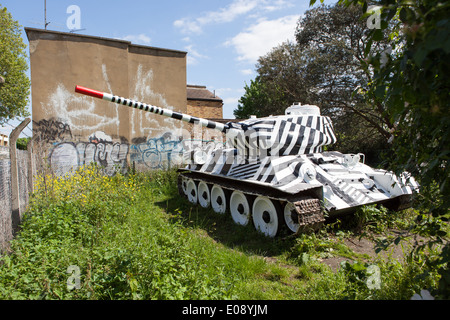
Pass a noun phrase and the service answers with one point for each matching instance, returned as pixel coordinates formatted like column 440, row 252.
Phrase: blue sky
column 223, row 38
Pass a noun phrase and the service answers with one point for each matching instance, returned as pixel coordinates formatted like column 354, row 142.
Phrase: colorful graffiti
column 111, row 156
column 168, row 150
column 158, row 152
column 69, row 116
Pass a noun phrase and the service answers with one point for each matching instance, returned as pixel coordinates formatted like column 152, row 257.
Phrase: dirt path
column 365, row 246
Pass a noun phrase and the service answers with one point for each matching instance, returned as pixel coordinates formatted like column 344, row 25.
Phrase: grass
column 134, row 237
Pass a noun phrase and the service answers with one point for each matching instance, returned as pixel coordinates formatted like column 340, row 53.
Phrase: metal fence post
column 15, row 201
column 31, row 165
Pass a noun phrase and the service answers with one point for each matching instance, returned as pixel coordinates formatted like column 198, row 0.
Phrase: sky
column 223, row 38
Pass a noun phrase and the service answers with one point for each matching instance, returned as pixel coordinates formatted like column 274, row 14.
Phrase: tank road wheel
column 266, row 216
column 191, row 191
column 291, row 217
column 182, row 185
column 218, row 199
column 239, row 208
column 204, row 198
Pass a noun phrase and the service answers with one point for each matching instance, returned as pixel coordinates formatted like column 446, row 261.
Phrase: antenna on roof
column 46, row 23
column 45, row 15
column 76, row 30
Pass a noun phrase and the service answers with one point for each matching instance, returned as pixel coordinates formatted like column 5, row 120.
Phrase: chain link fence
column 5, row 199
column 24, row 187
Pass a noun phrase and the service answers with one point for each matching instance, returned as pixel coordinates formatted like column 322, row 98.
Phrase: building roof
column 195, row 92
column 53, row 35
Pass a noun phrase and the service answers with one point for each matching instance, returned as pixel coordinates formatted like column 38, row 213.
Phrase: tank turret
column 273, row 171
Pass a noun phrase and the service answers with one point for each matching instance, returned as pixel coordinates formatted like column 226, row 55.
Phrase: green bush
column 119, row 241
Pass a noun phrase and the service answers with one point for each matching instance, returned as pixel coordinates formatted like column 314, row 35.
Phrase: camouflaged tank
column 273, row 173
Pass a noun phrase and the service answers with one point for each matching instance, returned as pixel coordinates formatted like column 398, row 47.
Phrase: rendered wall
column 71, row 129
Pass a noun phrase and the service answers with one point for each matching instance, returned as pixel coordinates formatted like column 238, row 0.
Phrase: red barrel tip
column 89, row 92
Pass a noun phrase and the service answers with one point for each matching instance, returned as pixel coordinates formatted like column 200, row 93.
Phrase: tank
column 273, row 171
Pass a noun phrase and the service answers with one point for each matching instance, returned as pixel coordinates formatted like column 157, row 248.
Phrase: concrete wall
column 72, row 129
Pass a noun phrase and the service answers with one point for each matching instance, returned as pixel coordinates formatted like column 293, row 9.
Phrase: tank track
column 308, row 208
column 400, row 203
column 310, row 214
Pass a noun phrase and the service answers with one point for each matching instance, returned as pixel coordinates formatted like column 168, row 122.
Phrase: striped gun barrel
column 150, row 108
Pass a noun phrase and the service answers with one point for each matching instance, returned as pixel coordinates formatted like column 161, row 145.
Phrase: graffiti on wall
column 158, row 152
column 68, row 116
column 81, row 113
column 168, row 150
column 111, row 156
column 158, row 146
column 52, row 130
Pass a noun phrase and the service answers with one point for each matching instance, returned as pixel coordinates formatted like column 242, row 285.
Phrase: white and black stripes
column 284, row 135
column 165, row 112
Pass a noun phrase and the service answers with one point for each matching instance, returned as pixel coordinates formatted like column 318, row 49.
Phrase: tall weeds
column 90, row 236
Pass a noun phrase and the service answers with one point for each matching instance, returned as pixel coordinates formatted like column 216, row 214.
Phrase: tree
column 414, row 85
column 324, row 66
column 283, row 74
column 249, row 104
column 262, row 97
column 15, row 90
column 22, row 143
column 337, row 36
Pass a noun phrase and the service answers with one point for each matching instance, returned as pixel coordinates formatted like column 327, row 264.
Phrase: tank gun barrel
column 150, row 108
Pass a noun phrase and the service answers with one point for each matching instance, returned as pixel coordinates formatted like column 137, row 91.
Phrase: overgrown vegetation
column 133, row 237
column 411, row 81
column 379, row 69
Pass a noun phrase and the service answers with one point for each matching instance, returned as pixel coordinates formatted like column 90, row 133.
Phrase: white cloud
column 231, row 101
column 138, row 38
column 229, row 13
column 260, row 38
column 247, row 72
column 194, row 52
column 191, row 61
column 223, row 92
column 277, row 4
column 187, row 26
column 193, row 55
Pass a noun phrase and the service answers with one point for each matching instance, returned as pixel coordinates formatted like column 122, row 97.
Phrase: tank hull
column 336, row 182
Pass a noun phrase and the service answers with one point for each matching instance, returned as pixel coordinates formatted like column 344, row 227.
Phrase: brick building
column 203, row 103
